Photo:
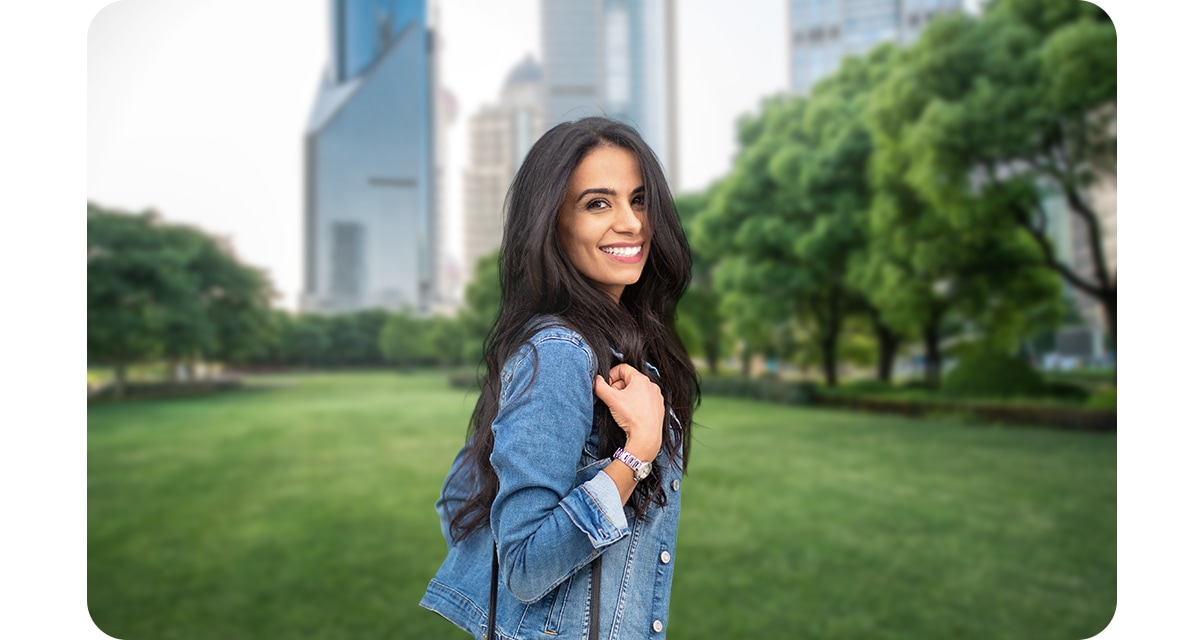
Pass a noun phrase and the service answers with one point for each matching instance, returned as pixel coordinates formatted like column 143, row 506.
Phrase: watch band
column 639, row 468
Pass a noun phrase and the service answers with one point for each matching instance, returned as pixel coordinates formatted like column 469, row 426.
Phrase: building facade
column 499, row 136
column 823, row 32
column 613, row 58
column 371, row 210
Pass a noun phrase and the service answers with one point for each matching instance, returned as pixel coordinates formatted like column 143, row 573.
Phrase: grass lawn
column 304, row 509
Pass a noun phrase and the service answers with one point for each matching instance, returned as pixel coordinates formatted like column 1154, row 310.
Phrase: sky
column 47, row 167
column 198, row 109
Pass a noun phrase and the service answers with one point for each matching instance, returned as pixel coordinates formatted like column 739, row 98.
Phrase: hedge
column 155, row 390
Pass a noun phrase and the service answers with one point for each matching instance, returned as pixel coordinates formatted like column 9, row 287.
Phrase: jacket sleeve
column 546, row 525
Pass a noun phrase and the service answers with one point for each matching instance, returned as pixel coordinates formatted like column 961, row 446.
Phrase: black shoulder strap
column 594, row 596
column 492, row 596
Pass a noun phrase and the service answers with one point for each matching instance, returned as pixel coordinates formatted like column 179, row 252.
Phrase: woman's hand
column 637, row 406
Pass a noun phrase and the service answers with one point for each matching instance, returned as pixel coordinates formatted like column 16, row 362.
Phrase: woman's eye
column 596, row 204
column 637, row 201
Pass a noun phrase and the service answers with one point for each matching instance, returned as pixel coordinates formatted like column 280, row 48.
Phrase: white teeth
column 622, row 252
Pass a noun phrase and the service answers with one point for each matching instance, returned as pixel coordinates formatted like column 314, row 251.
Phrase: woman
column 572, row 468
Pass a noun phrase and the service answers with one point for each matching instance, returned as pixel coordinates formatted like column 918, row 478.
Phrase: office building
column 371, row 211
column 613, row 58
column 499, row 137
column 823, row 32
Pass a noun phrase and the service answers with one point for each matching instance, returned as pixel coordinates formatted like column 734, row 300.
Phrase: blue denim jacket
column 554, row 513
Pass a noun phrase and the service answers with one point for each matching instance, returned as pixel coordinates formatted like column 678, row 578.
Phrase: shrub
column 1065, row 390
column 1103, row 399
column 768, row 389
column 992, row 374
column 464, row 379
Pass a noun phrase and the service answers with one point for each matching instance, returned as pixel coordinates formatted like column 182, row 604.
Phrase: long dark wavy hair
column 537, row 278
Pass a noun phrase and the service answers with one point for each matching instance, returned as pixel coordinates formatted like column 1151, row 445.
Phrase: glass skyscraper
column 370, row 174
column 613, row 58
column 823, row 32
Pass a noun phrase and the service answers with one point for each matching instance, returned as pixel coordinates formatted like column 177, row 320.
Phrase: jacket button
column 675, row 485
column 665, row 557
column 657, row 626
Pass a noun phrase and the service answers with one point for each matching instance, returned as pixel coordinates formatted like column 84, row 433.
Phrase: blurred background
column 896, row 207
column 359, row 158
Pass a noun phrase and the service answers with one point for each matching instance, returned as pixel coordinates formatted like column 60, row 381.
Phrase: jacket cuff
column 597, row 510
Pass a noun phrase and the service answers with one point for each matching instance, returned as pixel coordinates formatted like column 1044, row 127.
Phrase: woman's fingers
column 636, row 404
column 622, row 374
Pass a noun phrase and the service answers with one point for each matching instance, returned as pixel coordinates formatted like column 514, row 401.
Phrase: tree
column 482, row 302
column 160, row 290
column 997, row 109
column 403, row 340
column 745, row 225
column 699, row 321
column 925, row 269
column 791, row 218
column 133, row 285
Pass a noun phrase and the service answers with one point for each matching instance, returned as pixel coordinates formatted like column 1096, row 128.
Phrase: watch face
column 643, row 471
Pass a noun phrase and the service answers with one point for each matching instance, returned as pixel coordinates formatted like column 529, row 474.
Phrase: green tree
column 744, row 226
column 997, row 109
column 446, row 337
column 237, row 300
column 925, row 269
column 159, row 290
column 699, row 321
column 133, row 285
column 791, row 216
column 482, row 302
column 227, row 316
column 403, row 340
column 306, row 340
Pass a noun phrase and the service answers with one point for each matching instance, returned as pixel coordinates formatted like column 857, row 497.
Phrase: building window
column 347, row 258
column 618, row 48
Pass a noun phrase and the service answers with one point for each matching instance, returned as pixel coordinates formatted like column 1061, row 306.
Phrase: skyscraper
column 823, row 32
column 371, row 238
column 614, row 58
column 499, row 137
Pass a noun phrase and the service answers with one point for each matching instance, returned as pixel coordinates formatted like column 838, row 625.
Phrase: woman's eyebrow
column 603, row 191
column 607, row 192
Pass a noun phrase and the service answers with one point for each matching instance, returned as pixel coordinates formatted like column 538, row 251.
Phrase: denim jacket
column 554, row 513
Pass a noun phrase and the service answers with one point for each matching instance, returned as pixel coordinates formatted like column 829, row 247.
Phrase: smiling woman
column 560, row 512
column 601, row 224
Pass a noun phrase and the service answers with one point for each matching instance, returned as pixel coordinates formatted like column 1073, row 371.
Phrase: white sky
column 198, row 108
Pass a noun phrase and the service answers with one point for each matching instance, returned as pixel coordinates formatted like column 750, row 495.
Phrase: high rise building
column 823, row 32
column 371, row 211
column 499, row 136
column 613, row 58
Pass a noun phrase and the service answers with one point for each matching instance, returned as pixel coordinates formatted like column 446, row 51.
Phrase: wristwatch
column 640, row 468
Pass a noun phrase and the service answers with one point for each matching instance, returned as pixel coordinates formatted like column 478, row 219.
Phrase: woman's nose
column 628, row 219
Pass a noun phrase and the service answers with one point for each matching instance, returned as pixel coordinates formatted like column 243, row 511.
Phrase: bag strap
column 595, row 594
column 595, row 591
column 493, row 595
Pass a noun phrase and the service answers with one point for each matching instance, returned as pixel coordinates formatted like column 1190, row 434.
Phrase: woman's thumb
column 603, row 390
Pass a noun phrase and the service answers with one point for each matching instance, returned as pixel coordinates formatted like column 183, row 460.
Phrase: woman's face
column 602, row 225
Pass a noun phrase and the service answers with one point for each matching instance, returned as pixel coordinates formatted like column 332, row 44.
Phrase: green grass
column 306, row 510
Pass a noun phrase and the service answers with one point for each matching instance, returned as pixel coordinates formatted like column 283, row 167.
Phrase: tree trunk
column 1109, row 302
column 932, row 355
column 711, row 351
column 828, row 347
column 746, row 362
column 888, row 346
